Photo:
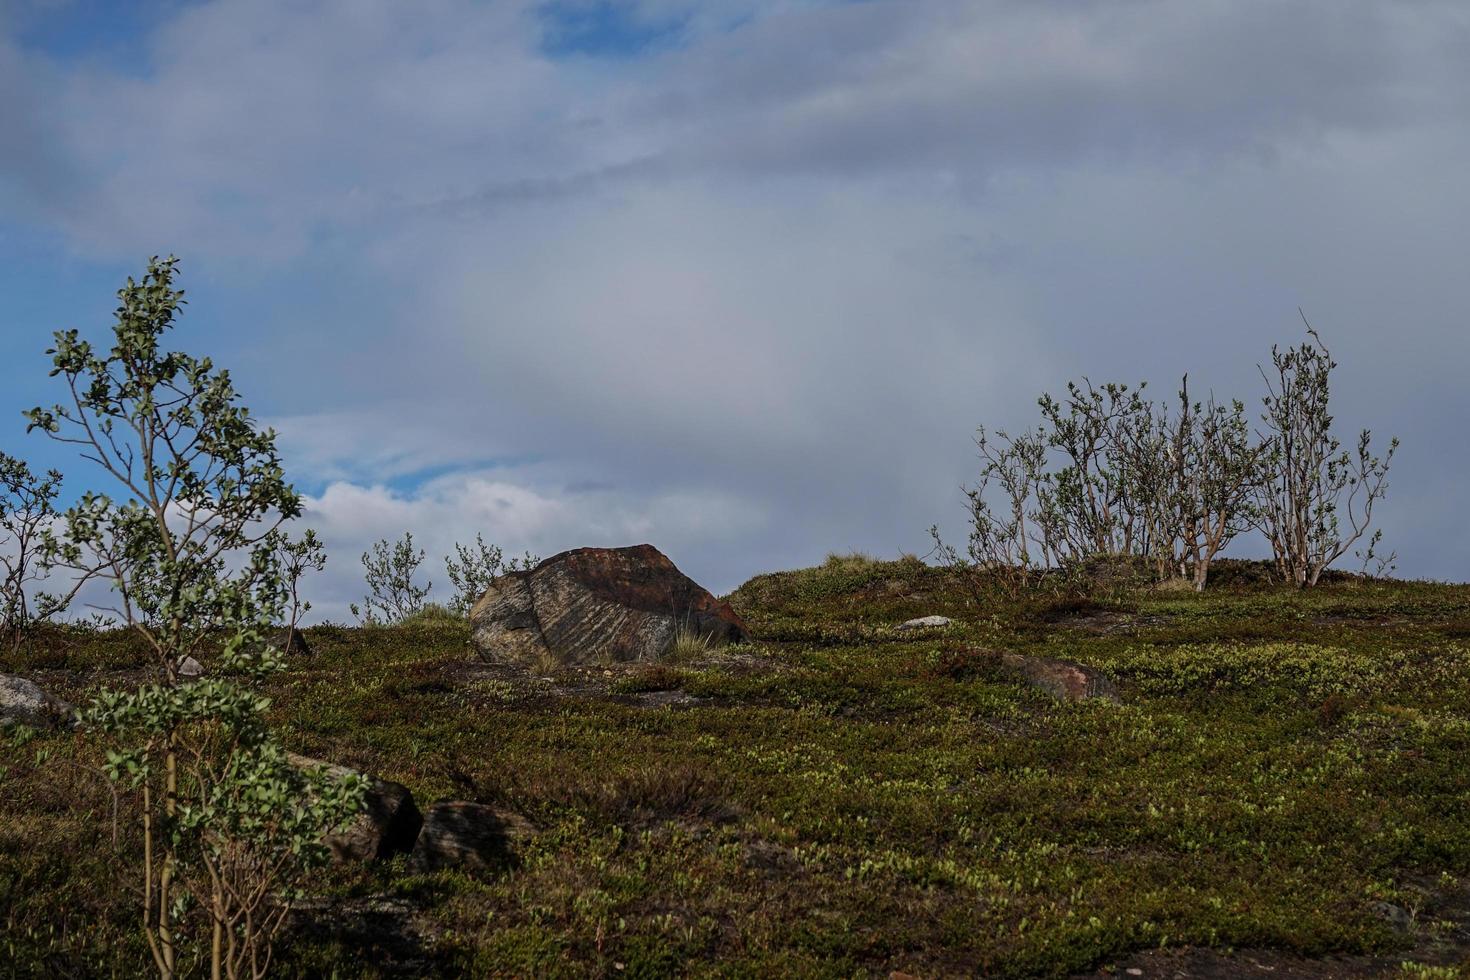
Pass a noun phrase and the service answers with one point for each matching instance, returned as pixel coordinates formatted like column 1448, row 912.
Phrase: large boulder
column 597, row 605
column 469, row 836
column 389, row 823
column 23, row 702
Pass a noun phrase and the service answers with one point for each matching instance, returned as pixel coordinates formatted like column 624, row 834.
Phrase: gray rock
column 189, row 667
column 388, row 825
column 1395, row 915
column 292, row 642
column 469, row 836
column 596, row 606
column 924, row 622
column 23, row 702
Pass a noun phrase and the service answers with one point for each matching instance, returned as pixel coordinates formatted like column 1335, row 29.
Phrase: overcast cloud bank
column 740, row 278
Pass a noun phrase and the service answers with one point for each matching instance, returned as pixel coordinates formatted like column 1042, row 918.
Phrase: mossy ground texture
column 1285, row 785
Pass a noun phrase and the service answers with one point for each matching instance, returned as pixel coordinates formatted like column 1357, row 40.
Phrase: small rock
column 924, row 622
column 388, row 825
column 292, row 642
column 1062, row 679
column 1395, row 915
column 23, row 702
column 189, row 667
column 469, row 836
column 668, row 699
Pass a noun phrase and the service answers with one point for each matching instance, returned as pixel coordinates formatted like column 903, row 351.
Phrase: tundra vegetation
column 1112, row 480
column 1280, row 786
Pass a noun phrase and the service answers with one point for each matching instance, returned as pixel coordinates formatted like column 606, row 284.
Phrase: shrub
column 229, row 826
column 27, row 509
column 1314, row 484
column 393, row 596
column 472, row 570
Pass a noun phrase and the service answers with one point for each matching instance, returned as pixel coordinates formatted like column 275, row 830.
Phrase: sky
column 739, row 278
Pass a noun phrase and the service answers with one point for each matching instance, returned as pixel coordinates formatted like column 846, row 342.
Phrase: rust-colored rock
column 597, row 605
column 1062, row 679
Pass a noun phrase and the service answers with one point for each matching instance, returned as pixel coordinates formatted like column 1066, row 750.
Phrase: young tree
column 27, row 509
column 392, row 595
column 1130, row 481
column 1313, row 485
column 472, row 570
column 1089, row 500
column 1213, row 473
column 296, row 558
column 1009, row 546
column 229, row 826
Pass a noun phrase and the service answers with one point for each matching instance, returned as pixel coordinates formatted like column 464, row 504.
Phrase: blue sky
column 739, row 277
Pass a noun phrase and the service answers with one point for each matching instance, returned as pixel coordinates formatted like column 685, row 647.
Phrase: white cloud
column 517, row 517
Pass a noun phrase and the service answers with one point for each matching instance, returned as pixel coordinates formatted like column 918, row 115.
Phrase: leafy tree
column 471, row 571
column 229, row 826
column 27, row 509
column 296, row 558
column 1313, row 484
column 392, row 594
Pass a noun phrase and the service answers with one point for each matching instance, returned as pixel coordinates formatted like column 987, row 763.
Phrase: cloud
column 516, row 515
column 760, row 279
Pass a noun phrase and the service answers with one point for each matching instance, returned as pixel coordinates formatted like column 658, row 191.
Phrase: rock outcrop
column 389, row 823
column 597, row 605
column 469, row 836
column 1062, row 679
column 23, row 702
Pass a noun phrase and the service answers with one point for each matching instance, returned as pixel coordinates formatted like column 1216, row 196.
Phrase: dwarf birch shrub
column 1318, row 500
column 393, row 596
column 27, row 508
column 471, row 570
column 190, row 546
column 1111, row 477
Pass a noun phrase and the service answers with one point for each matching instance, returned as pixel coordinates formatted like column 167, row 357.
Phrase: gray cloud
column 782, row 269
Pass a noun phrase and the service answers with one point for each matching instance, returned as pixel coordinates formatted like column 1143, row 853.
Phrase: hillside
column 1282, row 789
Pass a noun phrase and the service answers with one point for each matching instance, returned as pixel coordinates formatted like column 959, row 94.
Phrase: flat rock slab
column 23, row 702
column 1062, row 679
column 389, row 823
column 597, row 606
column 469, row 836
column 926, row 622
